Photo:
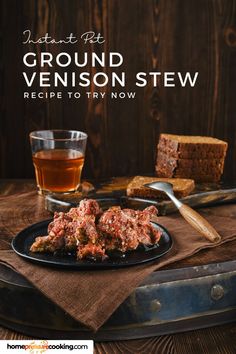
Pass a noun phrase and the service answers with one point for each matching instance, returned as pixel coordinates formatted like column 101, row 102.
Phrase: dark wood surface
column 214, row 340
column 217, row 340
column 160, row 35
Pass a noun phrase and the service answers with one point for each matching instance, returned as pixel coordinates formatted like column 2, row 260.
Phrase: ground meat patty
column 86, row 207
column 127, row 228
column 88, row 232
column 70, row 230
column 48, row 243
column 91, row 251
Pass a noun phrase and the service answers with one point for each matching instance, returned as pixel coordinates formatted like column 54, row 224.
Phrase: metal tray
column 114, row 191
column 168, row 301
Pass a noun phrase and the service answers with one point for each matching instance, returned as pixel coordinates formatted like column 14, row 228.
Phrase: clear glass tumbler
column 58, row 158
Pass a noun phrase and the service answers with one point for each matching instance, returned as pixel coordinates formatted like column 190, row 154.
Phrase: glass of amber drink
column 58, row 158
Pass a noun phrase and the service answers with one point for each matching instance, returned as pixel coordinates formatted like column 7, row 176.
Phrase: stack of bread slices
column 197, row 157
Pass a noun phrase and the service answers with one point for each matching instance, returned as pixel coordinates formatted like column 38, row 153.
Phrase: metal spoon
column 191, row 216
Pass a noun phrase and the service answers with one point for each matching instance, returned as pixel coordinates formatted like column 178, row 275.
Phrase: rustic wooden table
column 220, row 339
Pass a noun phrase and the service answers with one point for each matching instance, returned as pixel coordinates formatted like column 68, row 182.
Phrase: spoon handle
column 199, row 223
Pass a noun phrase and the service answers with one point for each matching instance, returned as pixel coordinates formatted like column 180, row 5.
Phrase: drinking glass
column 58, row 158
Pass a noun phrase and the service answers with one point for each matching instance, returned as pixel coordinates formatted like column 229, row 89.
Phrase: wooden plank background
column 152, row 35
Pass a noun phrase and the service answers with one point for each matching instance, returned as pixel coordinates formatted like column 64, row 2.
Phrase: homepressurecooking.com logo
column 46, row 346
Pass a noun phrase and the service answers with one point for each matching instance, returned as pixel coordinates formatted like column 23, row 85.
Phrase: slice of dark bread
column 181, row 187
column 188, row 154
column 189, row 174
column 202, row 178
column 185, row 146
column 194, row 166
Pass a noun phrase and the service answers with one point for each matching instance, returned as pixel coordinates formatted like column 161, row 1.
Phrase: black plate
column 24, row 239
